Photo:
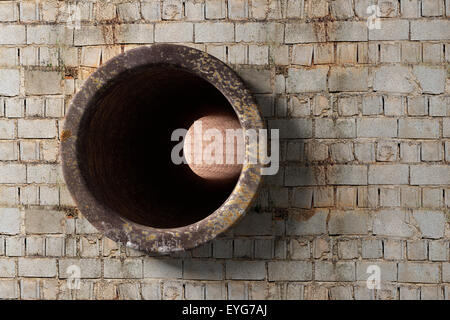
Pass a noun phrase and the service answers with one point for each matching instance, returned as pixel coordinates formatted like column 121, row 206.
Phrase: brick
column 431, row 223
column 387, row 151
column 44, row 129
column 334, row 271
column 49, row 35
column 392, row 222
column 90, row 268
column 388, row 271
column 432, row 151
column 439, row 106
column 393, row 79
column 301, row 32
column 54, row 247
column 128, row 268
column 391, row 30
column 128, row 11
column 134, row 33
column 93, row 35
column 323, row 197
column 342, row 9
column 430, row 30
column 388, row 174
column 289, row 270
column 372, row 249
column 347, row 31
column 292, row 128
column 348, row 79
column 304, row 176
column 376, row 127
column 348, row 222
column 237, row 54
column 299, row 107
column 15, row 246
column 302, row 198
column 215, row 9
column 341, row 152
column 9, row 196
column 258, row 81
column 410, row 8
column 12, row 34
column 45, row 173
column 433, row 52
column 44, row 221
column 417, row 250
column 9, row 82
column 258, row 55
column 389, row 197
column 306, row 80
column 8, row 151
column 214, row 32
column 314, row 223
column 7, row 268
column 162, row 268
column 335, row 129
column 394, row 249
column 372, row 105
column 365, row 152
column 347, row 53
column 429, row 175
column 14, row 108
column 418, row 272
column 439, row 250
column 348, row 249
column 245, row 270
column 411, row 52
column 347, row 175
column 43, row 82
column 431, row 78
column 202, row 270
column 323, row 53
column 37, row 267
column 243, row 248
column 9, row 289
column 269, row 32
column 12, row 173
column 35, row 246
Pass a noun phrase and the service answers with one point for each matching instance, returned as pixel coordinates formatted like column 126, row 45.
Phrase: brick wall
column 364, row 119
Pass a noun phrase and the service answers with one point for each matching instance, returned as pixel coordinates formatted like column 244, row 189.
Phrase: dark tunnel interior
column 124, row 149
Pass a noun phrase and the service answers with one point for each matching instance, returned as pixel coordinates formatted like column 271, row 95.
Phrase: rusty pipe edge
column 134, row 235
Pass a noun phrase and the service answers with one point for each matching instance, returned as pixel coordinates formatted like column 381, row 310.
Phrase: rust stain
column 65, row 135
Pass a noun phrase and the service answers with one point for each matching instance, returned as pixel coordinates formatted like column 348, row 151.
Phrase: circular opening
column 124, row 149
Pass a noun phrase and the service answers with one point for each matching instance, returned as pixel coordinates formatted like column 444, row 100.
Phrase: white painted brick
column 271, row 32
column 215, row 9
column 37, row 267
column 43, row 82
column 391, row 30
column 174, row 32
column 214, row 32
column 134, row 33
column 12, row 34
column 45, row 129
column 8, row 151
column 301, row 32
column 10, row 221
column 44, row 221
column 9, row 82
column 430, row 29
column 12, row 173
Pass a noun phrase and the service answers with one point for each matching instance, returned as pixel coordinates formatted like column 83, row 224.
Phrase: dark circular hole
column 124, row 149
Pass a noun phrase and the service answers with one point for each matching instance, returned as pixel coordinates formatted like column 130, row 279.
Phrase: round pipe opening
column 117, row 148
column 125, row 147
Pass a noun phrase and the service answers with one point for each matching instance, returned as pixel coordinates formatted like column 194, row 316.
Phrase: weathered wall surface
column 364, row 118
